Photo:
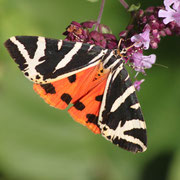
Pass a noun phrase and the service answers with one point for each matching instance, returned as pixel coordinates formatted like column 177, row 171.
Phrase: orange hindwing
column 84, row 90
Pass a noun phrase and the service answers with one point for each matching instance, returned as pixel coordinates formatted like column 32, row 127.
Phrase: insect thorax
column 112, row 60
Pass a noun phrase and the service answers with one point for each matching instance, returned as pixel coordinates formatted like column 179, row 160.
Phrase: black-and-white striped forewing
column 44, row 60
column 120, row 117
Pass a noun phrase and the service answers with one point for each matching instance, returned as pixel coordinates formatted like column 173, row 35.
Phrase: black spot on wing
column 66, row 98
column 49, row 88
column 26, row 74
column 92, row 118
column 139, row 134
column 30, row 44
column 104, row 128
column 79, row 105
column 38, row 77
column 72, row 78
column 127, row 145
column 99, row 98
column 41, row 58
column 15, row 54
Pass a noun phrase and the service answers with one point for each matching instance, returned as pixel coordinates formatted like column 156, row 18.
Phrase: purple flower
column 97, row 39
column 175, row 3
column 88, row 24
column 142, row 38
column 112, row 42
column 83, row 33
column 171, row 12
column 142, row 62
column 150, row 18
column 75, row 32
column 138, row 83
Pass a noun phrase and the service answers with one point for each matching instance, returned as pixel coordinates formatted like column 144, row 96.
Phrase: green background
column 38, row 142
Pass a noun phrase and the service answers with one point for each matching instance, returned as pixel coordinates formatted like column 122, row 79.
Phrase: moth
column 92, row 79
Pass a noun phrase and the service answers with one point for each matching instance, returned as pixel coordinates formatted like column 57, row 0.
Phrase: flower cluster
column 83, row 33
column 152, row 17
column 145, row 31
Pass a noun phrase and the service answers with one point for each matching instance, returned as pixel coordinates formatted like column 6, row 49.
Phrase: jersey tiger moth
column 91, row 78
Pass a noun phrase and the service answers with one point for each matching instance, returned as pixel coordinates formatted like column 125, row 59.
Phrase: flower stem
column 100, row 15
column 126, row 6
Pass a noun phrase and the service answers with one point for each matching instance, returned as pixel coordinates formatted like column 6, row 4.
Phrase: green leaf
column 134, row 7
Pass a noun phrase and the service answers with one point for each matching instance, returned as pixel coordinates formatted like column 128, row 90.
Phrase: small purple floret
column 88, row 24
column 142, row 62
column 171, row 12
column 142, row 39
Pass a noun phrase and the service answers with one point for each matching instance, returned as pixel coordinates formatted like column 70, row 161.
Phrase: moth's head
column 123, row 52
column 122, row 49
column 126, row 48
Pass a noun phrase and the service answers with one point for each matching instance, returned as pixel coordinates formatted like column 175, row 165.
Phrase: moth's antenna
column 119, row 44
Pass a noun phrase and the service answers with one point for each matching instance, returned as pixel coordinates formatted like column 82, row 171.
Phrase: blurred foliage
column 38, row 142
